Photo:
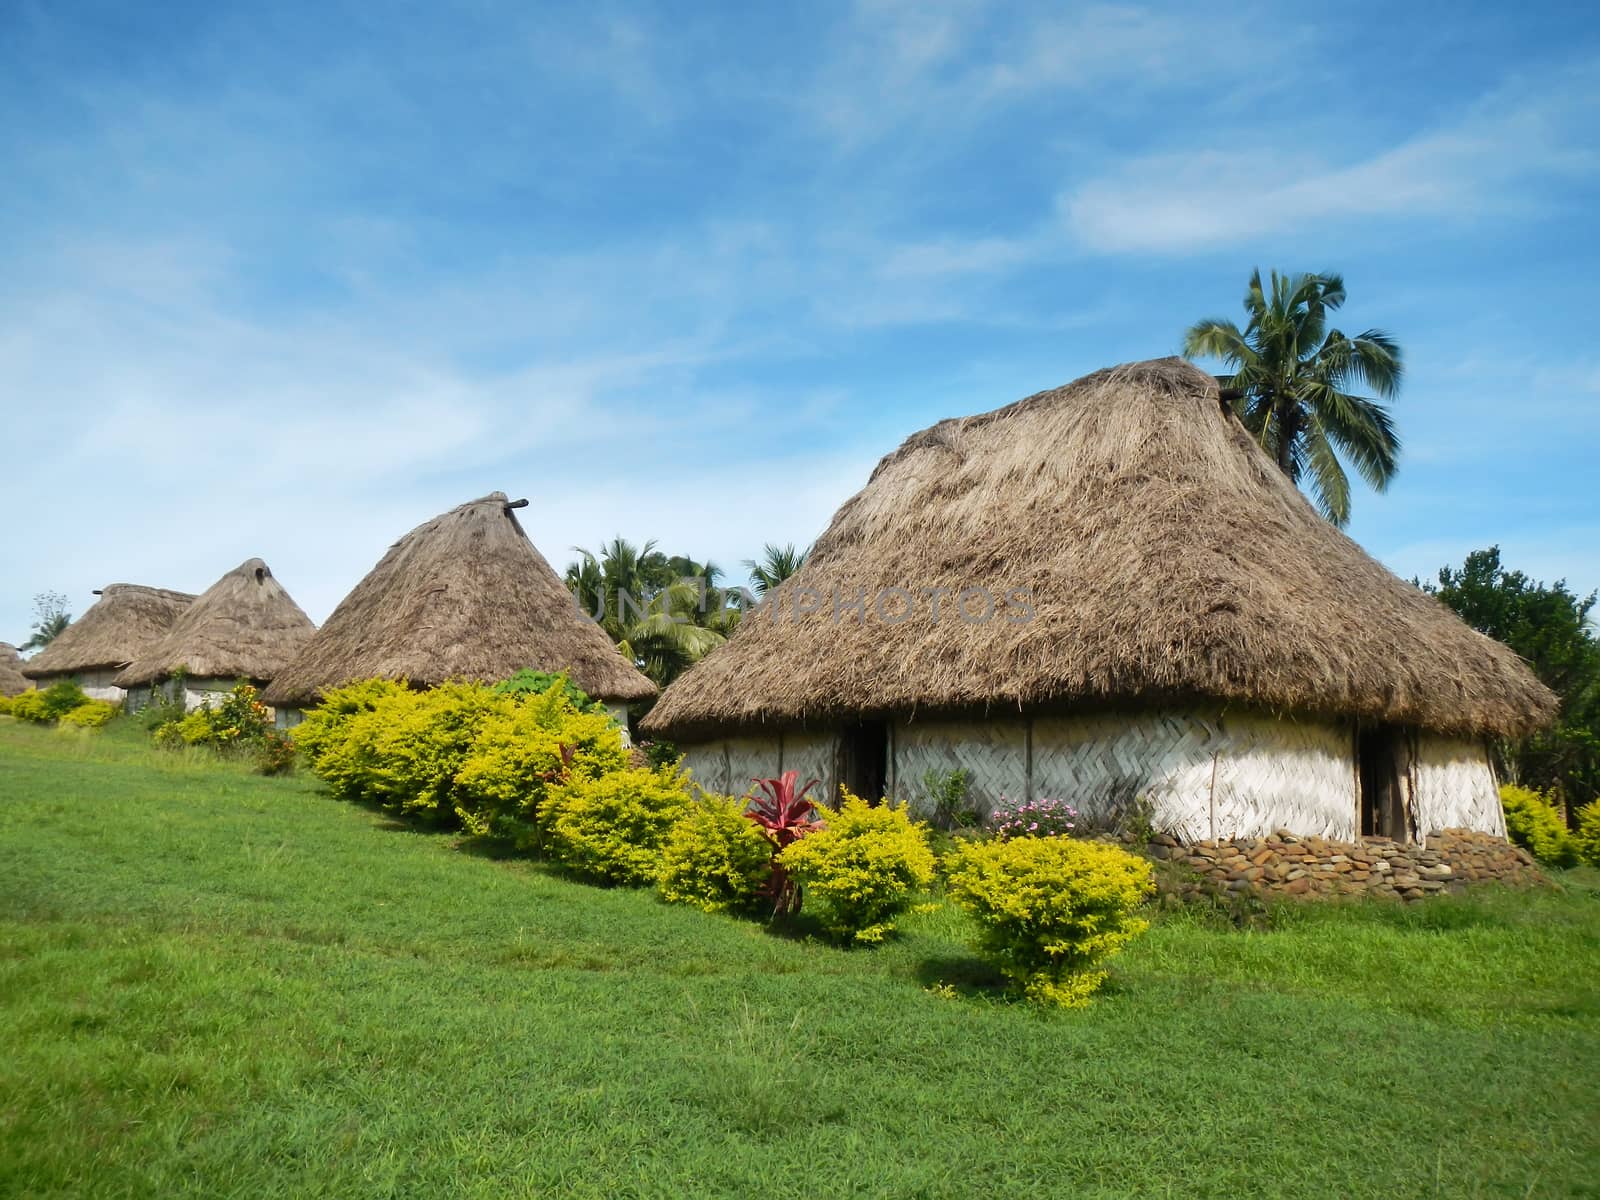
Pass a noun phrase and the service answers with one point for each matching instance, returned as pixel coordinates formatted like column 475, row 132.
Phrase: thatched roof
column 244, row 626
column 1167, row 557
column 12, row 681
column 124, row 623
column 465, row 596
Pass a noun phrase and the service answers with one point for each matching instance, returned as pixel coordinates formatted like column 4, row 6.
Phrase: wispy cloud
column 1249, row 186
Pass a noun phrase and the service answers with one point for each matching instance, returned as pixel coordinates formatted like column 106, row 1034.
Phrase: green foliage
column 863, row 870
column 91, row 714
column 275, row 753
column 947, row 799
column 1293, row 374
column 528, row 682
column 520, row 750
column 1549, row 627
column 1051, row 910
column 612, row 828
column 715, row 858
column 660, row 753
column 1533, row 823
column 50, row 620
column 46, row 706
column 235, row 724
column 5, row 705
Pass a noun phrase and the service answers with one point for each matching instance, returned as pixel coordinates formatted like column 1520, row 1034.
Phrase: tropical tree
column 664, row 613
column 50, row 619
column 1292, row 385
column 775, row 565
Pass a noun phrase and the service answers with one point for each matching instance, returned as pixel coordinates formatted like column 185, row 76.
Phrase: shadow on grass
column 965, row 974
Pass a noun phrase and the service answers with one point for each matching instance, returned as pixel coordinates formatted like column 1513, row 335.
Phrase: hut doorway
column 864, row 759
column 1383, row 764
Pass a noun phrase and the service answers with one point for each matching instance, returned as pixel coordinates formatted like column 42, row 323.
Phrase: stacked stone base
column 1286, row 864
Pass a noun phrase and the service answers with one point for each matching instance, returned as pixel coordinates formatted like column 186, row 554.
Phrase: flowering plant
column 1032, row 818
column 785, row 816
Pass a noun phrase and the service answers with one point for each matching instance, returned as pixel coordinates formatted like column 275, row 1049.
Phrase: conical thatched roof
column 124, row 623
column 244, row 626
column 1166, row 557
column 465, row 596
column 12, row 681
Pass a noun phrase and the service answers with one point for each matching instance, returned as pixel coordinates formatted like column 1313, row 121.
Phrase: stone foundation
column 1285, row 864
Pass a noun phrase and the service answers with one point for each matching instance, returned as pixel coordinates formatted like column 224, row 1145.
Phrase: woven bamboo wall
column 993, row 753
column 707, row 764
column 1454, row 788
column 812, row 755
column 731, row 765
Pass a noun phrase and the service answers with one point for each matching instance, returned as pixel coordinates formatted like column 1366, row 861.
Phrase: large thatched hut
column 464, row 596
column 1108, row 593
column 244, row 626
column 124, row 623
column 12, row 680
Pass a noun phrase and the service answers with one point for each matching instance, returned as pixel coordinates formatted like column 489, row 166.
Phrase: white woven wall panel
column 707, row 764
column 993, row 753
column 749, row 759
column 1275, row 773
column 812, row 756
column 1269, row 773
column 1454, row 787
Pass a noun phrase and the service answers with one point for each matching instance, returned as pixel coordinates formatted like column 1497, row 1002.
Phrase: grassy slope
column 217, row 984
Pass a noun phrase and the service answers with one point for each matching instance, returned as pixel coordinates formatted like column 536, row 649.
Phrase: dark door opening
column 864, row 760
column 1382, row 758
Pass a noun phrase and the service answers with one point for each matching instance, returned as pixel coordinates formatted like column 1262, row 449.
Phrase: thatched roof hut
column 245, row 626
column 12, row 680
column 124, row 623
column 463, row 596
column 1122, row 545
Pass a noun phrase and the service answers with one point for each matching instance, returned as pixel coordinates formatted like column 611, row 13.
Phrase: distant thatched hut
column 124, row 623
column 245, row 626
column 464, row 596
column 1101, row 593
column 12, row 680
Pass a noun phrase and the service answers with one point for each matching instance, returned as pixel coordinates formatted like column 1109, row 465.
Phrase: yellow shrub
column 540, row 739
column 715, row 858
column 1051, row 909
column 326, row 724
column 90, row 715
column 30, row 706
column 1588, row 836
column 864, row 869
column 5, row 706
column 421, row 741
column 612, row 828
column 1533, row 823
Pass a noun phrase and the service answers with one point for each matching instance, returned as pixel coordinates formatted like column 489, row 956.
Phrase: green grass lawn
column 222, row 985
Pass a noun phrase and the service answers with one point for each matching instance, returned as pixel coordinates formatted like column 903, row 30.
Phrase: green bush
column 5, row 706
column 275, row 753
column 61, row 698
column 863, row 869
column 91, row 714
column 540, row 739
column 1533, row 823
column 328, row 741
column 528, row 682
column 236, row 723
column 715, row 858
column 1051, row 909
column 1587, row 839
column 613, row 828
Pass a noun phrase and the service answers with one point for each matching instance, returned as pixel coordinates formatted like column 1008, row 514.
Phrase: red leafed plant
column 785, row 816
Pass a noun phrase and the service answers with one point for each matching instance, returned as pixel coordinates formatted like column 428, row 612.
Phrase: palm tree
column 665, row 614
column 51, row 618
column 776, row 564
column 1291, row 381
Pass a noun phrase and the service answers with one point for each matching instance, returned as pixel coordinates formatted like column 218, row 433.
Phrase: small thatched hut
column 12, row 680
column 1108, row 593
column 124, row 623
column 464, row 596
column 244, row 626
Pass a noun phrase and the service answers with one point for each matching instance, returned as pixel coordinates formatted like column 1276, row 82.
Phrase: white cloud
column 1183, row 201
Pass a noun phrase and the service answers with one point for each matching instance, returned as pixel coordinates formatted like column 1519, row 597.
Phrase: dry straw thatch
column 1167, row 558
column 464, row 596
column 126, row 622
column 12, row 680
column 244, row 626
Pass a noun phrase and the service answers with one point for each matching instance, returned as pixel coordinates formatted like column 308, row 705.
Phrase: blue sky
column 286, row 280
